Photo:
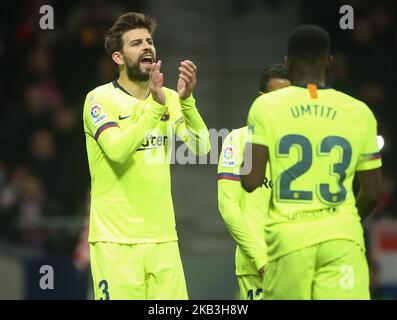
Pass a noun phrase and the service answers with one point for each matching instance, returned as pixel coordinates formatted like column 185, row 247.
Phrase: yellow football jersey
column 128, row 145
column 244, row 213
column 317, row 138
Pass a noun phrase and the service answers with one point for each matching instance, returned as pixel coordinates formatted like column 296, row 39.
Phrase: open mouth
column 147, row 60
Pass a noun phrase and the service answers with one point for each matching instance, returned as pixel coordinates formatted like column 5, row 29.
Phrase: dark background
column 45, row 75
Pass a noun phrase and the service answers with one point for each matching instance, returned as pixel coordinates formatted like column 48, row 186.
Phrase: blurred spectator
column 31, row 207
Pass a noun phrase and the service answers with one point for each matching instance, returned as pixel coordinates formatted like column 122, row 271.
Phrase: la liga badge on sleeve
column 229, row 157
column 98, row 115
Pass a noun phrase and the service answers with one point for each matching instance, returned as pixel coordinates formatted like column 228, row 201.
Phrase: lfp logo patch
column 229, row 157
column 98, row 115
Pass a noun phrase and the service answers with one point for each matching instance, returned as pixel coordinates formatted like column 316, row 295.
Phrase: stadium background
column 45, row 75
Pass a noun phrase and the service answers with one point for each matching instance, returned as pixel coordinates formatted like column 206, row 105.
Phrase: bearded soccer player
column 316, row 139
column 128, row 126
column 244, row 213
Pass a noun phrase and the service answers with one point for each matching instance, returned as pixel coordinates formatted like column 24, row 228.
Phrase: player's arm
column 117, row 144
column 258, row 157
column 256, row 151
column 191, row 127
column 369, row 193
column 229, row 197
column 368, row 170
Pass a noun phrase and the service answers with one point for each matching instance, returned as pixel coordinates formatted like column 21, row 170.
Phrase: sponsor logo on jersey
column 152, row 141
column 98, row 115
column 229, row 157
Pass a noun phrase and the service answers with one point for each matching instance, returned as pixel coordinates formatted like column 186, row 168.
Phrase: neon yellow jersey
column 128, row 146
column 244, row 213
column 317, row 139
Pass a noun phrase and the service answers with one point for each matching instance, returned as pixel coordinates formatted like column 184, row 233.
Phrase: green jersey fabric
column 244, row 213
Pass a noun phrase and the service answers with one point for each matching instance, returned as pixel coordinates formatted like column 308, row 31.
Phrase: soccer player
column 244, row 213
column 128, row 125
column 316, row 139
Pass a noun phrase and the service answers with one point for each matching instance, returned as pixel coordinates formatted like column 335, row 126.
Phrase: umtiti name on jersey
column 313, row 110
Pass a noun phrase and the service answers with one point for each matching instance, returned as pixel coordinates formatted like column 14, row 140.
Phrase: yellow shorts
column 250, row 287
column 331, row 270
column 137, row 271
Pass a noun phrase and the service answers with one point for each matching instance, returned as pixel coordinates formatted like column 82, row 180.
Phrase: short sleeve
column 370, row 157
column 256, row 123
column 98, row 115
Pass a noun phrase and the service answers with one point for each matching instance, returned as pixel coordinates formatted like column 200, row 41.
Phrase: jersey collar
column 317, row 85
column 117, row 85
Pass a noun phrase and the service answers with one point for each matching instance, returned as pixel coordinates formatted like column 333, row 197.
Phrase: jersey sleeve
column 256, row 123
column 229, row 201
column 190, row 127
column 101, row 123
column 98, row 115
column 370, row 157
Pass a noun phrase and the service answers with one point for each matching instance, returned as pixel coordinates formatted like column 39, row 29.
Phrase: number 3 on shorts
column 105, row 292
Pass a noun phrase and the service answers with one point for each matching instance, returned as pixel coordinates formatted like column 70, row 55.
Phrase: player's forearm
column 120, row 145
column 253, row 246
column 195, row 129
column 365, row 204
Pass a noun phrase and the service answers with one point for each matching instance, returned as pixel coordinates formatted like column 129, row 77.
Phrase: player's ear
column 118, row 57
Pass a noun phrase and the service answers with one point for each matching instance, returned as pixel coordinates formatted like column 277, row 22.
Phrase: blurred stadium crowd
column 45, row 76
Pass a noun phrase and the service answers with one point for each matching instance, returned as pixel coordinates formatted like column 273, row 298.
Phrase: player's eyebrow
column 139, row 40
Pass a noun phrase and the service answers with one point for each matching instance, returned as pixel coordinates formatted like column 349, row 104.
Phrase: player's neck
column 305, row 79
column 303, row 76
column 138, row 89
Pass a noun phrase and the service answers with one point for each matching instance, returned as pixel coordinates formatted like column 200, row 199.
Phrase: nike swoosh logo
column 125, row 117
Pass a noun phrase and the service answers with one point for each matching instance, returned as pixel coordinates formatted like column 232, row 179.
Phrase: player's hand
column 156, row 81
column 187, row 79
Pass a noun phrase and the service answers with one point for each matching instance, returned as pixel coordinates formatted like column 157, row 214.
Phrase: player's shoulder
column 238, row 132
column 235, row 136
column 102, row 90
column 270, row 99
column 277, row 94
column 355, row 104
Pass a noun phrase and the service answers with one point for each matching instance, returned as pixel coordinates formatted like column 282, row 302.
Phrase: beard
column 134, row 71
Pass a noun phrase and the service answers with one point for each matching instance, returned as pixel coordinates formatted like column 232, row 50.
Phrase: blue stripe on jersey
column 370, row 156
column 104, row 127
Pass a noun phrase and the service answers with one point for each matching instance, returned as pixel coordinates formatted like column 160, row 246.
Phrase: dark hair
column 308, row 43
column 127, row 22
column 277, row 70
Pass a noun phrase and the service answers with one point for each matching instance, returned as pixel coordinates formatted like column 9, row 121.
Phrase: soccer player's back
column 316, row 139
column 316, row 153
